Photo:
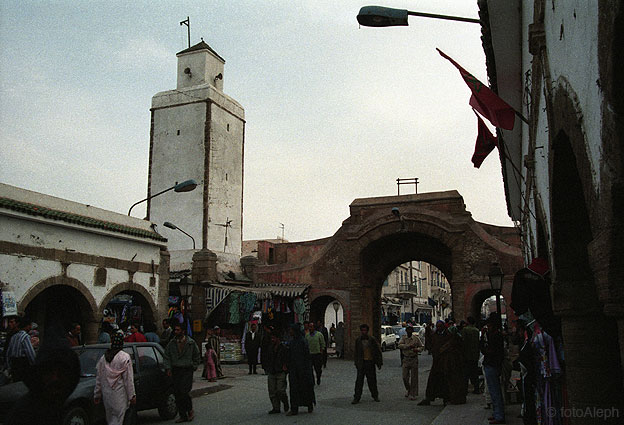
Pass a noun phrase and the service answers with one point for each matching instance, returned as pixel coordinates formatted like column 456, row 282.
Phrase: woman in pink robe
column 114, row 382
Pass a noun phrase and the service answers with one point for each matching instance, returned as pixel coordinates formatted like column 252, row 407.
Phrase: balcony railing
column 408, row 288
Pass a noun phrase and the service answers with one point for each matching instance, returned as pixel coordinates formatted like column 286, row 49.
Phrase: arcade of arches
column 352, row 265
column 60, row 301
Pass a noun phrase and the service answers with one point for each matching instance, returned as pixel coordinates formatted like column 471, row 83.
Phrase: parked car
column 399, row 331
column 154, row 389
column 388, row 338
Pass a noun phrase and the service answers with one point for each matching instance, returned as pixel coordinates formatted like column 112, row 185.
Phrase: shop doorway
column 128, row 307
column 55, row 309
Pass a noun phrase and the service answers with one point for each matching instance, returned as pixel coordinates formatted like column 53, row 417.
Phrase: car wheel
column 167, row 409
column 383, row 346
column 76, row 416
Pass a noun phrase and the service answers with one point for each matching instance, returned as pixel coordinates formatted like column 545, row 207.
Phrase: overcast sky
column 334, row 112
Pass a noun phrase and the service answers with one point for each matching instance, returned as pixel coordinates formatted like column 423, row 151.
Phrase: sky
column 333, row 112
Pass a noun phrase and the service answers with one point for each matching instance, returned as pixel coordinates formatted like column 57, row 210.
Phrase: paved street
column 247, row 401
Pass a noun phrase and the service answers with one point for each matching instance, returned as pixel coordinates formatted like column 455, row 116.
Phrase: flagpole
column 521, row 116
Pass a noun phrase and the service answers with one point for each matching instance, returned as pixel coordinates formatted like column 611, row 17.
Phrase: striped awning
column 282, row 289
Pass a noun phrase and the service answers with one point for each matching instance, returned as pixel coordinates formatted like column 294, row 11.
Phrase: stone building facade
column 63, row 261
column 560, row 64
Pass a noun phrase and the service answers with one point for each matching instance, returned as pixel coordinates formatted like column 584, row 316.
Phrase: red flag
column 486, row 142
column 485, row 101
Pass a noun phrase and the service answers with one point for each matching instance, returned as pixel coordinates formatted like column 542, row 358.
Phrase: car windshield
column 88, row 359
column 396, row 329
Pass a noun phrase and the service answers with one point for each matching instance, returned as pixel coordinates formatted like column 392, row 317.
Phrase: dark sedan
column 153, row 388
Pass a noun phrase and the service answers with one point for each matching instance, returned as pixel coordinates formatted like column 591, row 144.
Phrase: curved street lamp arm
column 150, row 197
column 446, row 17
column 192, row 238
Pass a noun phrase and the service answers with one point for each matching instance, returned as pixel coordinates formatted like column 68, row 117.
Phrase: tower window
column 178, row 132
column 228, row 127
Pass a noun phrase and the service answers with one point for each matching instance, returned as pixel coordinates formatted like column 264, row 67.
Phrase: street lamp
column 186, row 287
column 185, row 186
column 336, row 306
column 174, row 227
column 496, row 283
column 379, row 16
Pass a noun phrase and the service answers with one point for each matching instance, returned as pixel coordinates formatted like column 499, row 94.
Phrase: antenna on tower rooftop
column 187, row 22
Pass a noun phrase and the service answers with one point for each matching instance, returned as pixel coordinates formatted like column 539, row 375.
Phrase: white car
column 388, row 338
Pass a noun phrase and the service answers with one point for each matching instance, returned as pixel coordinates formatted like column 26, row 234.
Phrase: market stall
column 233, row 308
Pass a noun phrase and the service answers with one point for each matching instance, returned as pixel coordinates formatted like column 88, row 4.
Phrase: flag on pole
column 485, row 101
column 486, row 142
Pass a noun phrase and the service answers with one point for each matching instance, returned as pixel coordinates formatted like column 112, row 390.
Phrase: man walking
column 316, row 344
column 323, row 330
column 20, row 354
column 339, row 337
column 181, row 359
column 275, row 364
column 470, row 336
column 252, row 344
column 165, row 336
column 367, row 356
column 493, row 355
column 410, row 346
column 446, row 378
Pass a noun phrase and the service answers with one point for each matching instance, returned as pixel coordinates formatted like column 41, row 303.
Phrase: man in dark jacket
column 181, row 359
column 300, row 375
column 50, row 381
column 470, row 336
column 275, row 360
column 265, row 343
column 367, row 356
column 493, row 356
column 252, row 345
column 446, row 377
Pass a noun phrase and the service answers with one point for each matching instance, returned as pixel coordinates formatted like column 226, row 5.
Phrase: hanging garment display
column 234, row 308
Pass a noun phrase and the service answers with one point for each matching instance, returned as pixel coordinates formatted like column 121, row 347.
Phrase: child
column 210, row 370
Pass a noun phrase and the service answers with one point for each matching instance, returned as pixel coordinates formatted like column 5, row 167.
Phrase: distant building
column 250, row 247
column 407, row 291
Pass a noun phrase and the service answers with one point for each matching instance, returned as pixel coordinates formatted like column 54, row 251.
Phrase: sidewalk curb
column 198, row 392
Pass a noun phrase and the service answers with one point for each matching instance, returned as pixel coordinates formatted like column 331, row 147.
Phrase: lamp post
column 186, row 290
column 378, row 16
column 185, row 186
column 336, row 306
column 174, row 227
column 496, row 283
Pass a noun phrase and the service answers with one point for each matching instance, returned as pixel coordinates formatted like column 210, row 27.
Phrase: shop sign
column 9, row 303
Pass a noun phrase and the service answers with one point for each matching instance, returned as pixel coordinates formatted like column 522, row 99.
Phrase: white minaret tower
column 198, row 132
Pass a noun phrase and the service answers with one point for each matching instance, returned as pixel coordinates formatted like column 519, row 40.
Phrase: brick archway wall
column 434, row 227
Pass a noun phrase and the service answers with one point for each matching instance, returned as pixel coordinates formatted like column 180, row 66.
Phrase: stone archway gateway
column 431, row 227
